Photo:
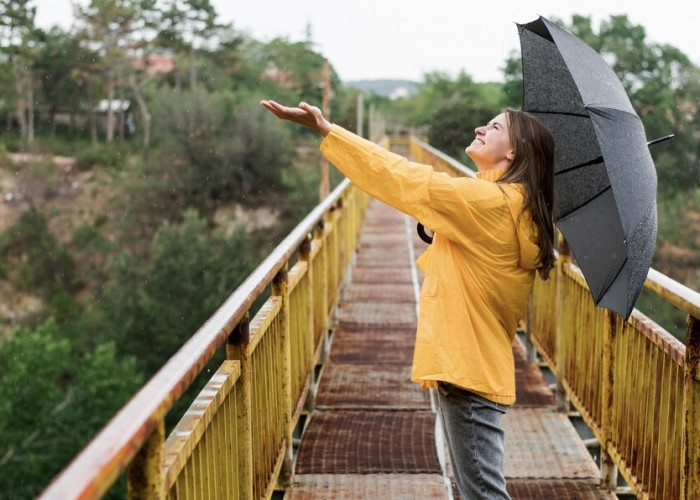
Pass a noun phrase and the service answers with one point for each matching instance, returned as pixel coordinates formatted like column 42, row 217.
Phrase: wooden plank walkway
column 374, row 434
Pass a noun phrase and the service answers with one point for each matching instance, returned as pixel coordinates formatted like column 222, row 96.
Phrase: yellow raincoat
column 478, row 272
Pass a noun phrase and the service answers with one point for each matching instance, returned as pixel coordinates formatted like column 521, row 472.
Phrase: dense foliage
column 50, row 396
column 115, row 287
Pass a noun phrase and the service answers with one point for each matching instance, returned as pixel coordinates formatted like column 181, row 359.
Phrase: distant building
column 117, row 105
column 160, row 64
column 156, row 64
column 284, row 79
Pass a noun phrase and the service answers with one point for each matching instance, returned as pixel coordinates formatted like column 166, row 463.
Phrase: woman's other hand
column 306, row 115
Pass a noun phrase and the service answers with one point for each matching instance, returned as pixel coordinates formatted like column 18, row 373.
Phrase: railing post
column 237, row 349
column 530, row 351
column 333, row 265
column 146, row 478
column 341, row 223
column 349, row 235
column 280, row 288
column 562, row 400
column 690, row 449
column 321, row 235
column 305, row 256
column 608, row 468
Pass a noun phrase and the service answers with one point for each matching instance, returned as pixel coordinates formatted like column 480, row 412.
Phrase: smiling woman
column 492, row 146
column 491, row 235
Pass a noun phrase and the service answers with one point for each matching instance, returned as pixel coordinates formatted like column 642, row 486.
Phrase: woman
column 491, row 235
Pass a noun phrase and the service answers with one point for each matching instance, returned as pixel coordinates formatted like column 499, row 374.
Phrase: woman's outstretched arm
column 449, row 206
column 305, row 114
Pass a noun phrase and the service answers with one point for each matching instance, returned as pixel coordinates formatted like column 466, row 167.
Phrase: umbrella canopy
column 605, row 179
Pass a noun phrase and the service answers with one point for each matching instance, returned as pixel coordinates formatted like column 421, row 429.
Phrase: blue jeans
column 475, row 441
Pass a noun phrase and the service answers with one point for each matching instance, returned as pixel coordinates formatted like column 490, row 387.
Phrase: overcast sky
column 367, row 39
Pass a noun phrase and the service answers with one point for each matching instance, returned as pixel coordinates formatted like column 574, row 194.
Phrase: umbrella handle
column 423, row 235
column 661, row 139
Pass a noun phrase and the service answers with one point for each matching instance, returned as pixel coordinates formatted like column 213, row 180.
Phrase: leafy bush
column 11, row 141
column 105, row 155
column 224, row 151
column 44, row 265
column 152, row 309
column 89, row 237
column 52, row 401
column 452, row 127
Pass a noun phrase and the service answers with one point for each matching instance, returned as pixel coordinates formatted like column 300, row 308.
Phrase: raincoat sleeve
column 453, row 207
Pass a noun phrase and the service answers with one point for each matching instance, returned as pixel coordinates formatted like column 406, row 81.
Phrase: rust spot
column 362, row 274
column 368, row 442
column 564, row 489
column 542, row 444
column 403, row 486
column 373, row 345
column 377, row 314
column 530, row 386
column 370, row 386
column 385, row 292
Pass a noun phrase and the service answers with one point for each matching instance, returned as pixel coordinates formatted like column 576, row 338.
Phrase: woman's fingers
column 294, row 114
column 276, row 108
column 305, row 114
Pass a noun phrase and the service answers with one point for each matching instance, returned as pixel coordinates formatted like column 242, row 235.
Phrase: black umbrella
column 605, row 179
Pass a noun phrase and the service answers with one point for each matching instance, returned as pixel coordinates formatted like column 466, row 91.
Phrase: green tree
column 513, row 85
column 187, row 26
column 63, row 67
column 42, row 264
column 152, row 309
column 147, row 23
column 297, row 68
column 52, row 401
column 452, row 128
column 232, row 152
column 18, row 41
column 441, row 92
column 106, row 26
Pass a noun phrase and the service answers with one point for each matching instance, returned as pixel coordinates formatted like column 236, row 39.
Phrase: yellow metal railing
column 635, row 385
column 235, row 440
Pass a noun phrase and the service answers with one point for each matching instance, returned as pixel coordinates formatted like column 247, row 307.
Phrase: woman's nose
column 479, row 130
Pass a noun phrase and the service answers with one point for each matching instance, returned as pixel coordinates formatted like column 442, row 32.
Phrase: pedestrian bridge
column 313, row 400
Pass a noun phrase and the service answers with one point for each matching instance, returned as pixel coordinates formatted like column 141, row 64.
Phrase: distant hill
column 388, row 87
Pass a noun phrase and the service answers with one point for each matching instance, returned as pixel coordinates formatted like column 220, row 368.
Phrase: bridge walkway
column 374, row 434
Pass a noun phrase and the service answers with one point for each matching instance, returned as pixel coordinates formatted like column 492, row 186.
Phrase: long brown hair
column 533, row 167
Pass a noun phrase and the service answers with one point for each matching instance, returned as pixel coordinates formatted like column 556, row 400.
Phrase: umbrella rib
column 622, row 266
column 563, row 113
column 560, row 217
column 580, row 165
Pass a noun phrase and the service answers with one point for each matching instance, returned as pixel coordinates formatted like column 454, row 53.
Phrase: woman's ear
column 510, row 155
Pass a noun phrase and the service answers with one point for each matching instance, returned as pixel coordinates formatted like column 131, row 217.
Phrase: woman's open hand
column 306, row 115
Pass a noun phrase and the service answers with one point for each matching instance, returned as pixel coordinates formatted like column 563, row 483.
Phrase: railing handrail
column 673, row 292
column 112, row 449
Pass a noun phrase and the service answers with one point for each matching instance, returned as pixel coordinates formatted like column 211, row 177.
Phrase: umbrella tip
column 661, row 139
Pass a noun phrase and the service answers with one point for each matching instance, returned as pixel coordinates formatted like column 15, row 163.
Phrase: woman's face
column 491, row 148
